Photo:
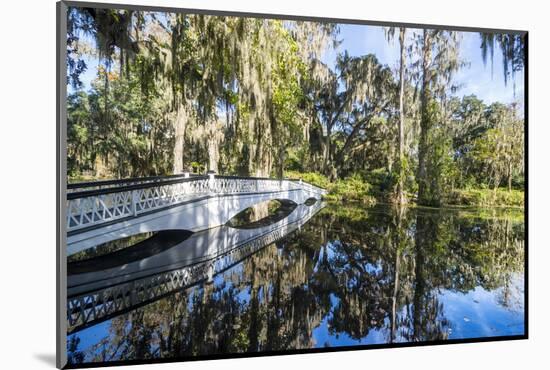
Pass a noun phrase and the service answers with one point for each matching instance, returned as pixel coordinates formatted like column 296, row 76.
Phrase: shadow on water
column 157, row 243
column 351, row 275
column 137, row 247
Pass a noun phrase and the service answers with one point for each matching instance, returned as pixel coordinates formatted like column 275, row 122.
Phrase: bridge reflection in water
column 96, row 296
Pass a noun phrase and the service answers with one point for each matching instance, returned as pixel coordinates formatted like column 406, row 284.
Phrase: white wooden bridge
column 99, row 212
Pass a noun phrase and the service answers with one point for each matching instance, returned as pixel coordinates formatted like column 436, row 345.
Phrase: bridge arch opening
column 262, row 214
column 310, row 201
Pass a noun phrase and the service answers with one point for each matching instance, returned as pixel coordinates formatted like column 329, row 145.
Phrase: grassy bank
column 357, row 189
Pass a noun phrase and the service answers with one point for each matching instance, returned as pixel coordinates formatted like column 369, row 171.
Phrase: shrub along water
column 486, row 197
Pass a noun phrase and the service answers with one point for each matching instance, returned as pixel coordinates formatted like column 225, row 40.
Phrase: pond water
column 349, row 276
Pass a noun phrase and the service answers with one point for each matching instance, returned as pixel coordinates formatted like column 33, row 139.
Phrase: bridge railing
column 106, row 184
column 90, row 208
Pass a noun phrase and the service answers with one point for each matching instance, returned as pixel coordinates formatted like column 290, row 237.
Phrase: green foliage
column 486, row 197
column 499, row 152
column 514, row 214
column 442, row 168
column 435, row 148
column 350, row 212
column 382, row 182
column 197, row 167
column 109, row 247
column 313, row 178
column 350, row 189
column 408, row 175
column 488, row 142
column 115, row 129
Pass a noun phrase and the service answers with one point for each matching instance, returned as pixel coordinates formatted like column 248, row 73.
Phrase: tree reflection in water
column 349, row 276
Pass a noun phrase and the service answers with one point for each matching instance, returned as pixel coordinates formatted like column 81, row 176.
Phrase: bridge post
column 211, row 179
column 135, row 200
column 210, row 273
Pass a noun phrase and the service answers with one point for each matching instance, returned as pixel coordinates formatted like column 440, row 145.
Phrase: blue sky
column 475, row 78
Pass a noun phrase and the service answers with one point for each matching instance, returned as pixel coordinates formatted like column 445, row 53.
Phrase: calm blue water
column 350, row 276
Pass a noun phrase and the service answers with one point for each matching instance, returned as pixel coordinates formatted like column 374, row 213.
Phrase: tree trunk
column 510, row 176
column 213, row 154
column 424, row 198
column 400, row 195
column 419, row 281
column 397, row 247
column 326, row 152
column 263, row 161
column 213, row 145
column 264, row 154
column 281, row 159
column 179, row 132
column 341, row 155
column 259, row 211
